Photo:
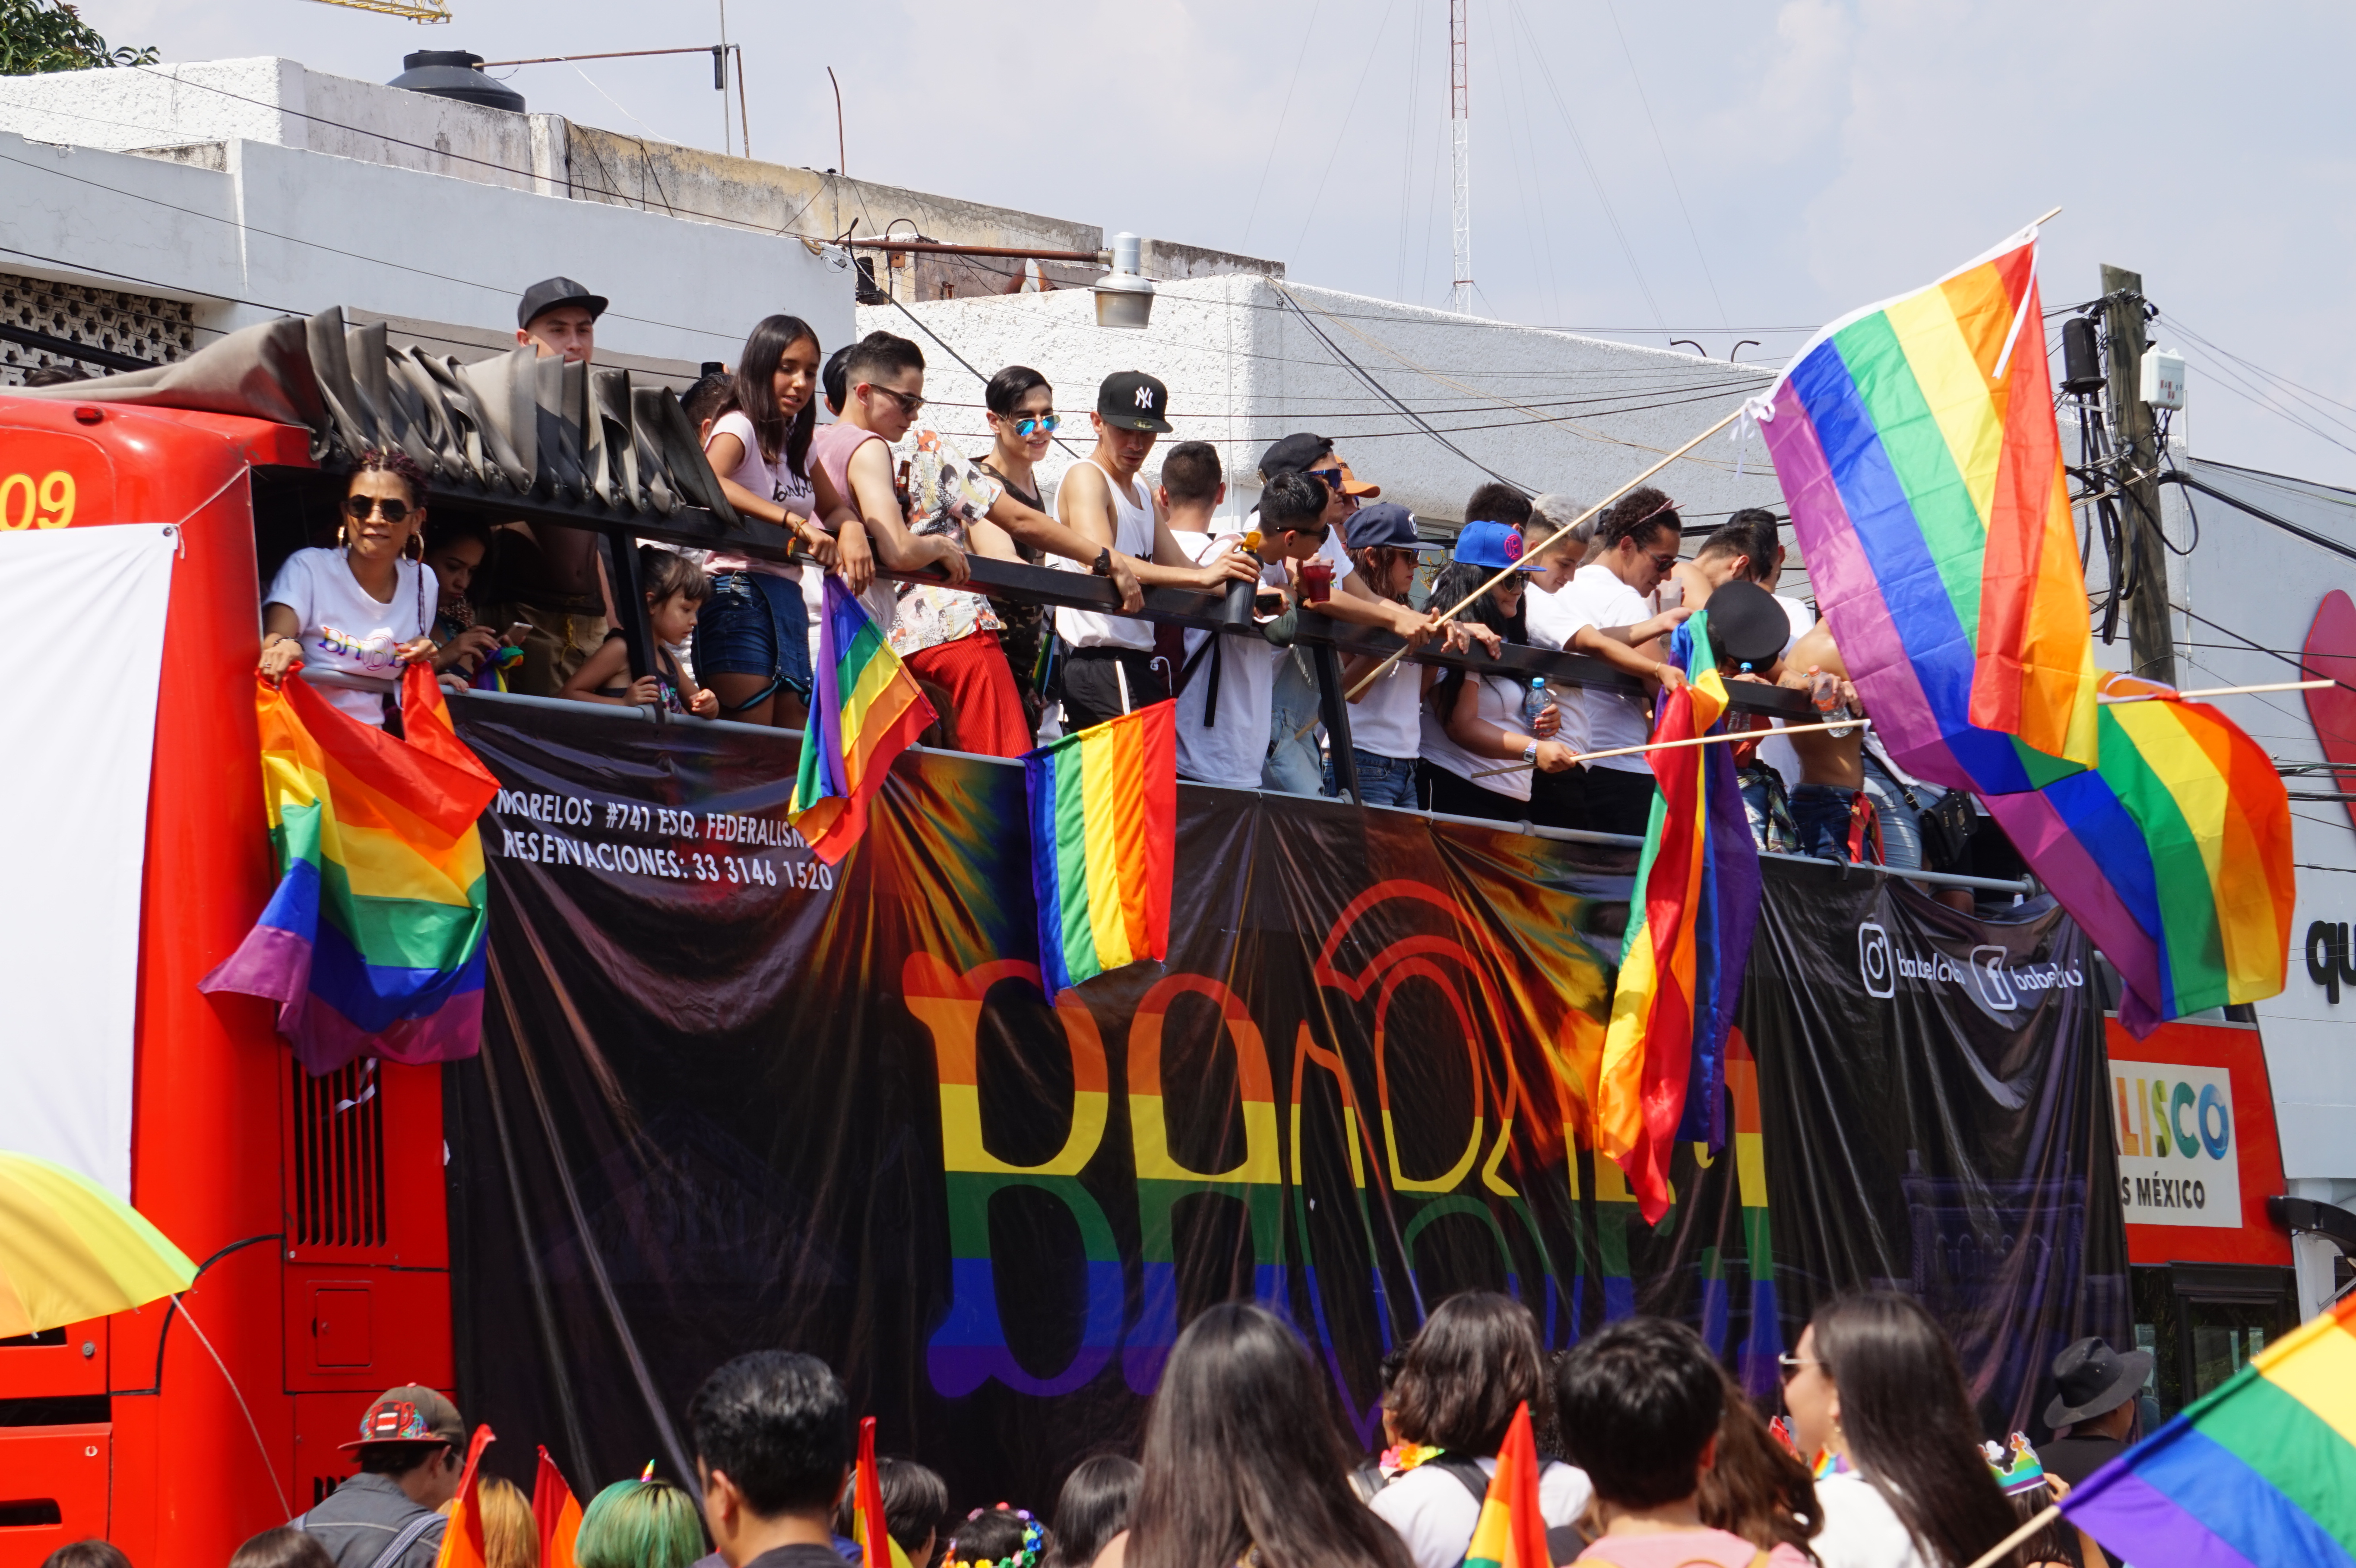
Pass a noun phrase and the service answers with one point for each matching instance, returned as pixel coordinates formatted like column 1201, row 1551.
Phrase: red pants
column 988, row 715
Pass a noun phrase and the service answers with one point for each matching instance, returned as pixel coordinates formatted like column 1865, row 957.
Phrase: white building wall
column 1549, row 409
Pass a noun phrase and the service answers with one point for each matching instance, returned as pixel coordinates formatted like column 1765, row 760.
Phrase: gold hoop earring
column 343, row 536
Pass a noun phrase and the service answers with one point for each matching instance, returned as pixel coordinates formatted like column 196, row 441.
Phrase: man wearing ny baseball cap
column 412, row 1450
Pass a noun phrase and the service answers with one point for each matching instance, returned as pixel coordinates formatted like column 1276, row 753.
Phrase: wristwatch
column 1103, row 566
column 1530, row 753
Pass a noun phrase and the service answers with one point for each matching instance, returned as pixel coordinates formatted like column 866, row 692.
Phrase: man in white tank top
column 1103, row 499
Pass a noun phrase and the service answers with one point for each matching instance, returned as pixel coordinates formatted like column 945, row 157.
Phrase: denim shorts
column 1381, row 780
column 755, row 623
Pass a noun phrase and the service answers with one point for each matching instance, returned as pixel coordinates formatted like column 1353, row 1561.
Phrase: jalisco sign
column 2192, row 1119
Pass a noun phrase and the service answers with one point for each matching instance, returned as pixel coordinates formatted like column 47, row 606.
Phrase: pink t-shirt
column 829, row 453
column 1675, row 1549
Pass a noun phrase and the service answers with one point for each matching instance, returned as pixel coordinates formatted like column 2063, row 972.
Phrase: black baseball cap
column 1132, row 400
column 1294, row 453
column 549, row 293
column 1746, row 625
column 1384, row 525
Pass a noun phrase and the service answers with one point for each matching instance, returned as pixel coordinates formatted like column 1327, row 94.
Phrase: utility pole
column 1459, row 131
column 2150, row 639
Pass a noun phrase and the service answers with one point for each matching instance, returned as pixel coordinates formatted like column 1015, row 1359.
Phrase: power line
column 1274, row 141
column 1630, row 55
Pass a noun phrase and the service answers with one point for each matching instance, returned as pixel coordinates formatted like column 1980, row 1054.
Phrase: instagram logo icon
column 1873, row 960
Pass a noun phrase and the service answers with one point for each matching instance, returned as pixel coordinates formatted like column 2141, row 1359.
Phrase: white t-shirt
column 1434, row 1512
column 344, row 630
column 1861, row 1530
column 775, row 481
column 1388, row 720
column 1613, row 719
column 1233, row 747
column 1500, row 703
column 1554, row 619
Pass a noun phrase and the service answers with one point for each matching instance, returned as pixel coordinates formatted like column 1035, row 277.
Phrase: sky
column 1713, row 171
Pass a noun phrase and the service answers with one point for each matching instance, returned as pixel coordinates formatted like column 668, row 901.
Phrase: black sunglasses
column 909, row 401
column 1334, row 478
column 358, row 508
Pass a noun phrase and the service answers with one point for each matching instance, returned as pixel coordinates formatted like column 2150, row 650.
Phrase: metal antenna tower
column 1459, row 132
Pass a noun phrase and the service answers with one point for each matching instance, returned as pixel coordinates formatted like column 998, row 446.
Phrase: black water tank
column 451, row 73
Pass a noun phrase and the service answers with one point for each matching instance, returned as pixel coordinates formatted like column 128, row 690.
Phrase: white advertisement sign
column 2178, row 1162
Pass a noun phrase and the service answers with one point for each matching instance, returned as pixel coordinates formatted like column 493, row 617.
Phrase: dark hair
column 1191, row 473
column 398, row 1458
column 56, row 376
column 2057, row 1542
column 708, row 398
column 1640, row 1401
column 834, row 381
column 1093, row 1507
column 663, row 573
column 283, row 1547
column 1242, row 1451
column 755, row 392
column 1497, row 502
column 1456, row 580
column 90, row 1553
column 1909, row 1423
column 1756, row 1488
column 990, row 1535
column 1474, row 1360
column 879, row 353
column 1372, row 561
column 1291, row 501
column 1008, row 387
column 916, row 1504
column 397, row 463
column 1750, row 533
column 778, row 1424
column 448, row 529
column 1638, row 515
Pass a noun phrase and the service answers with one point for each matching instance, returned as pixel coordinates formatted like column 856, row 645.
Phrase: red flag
column 867, row 1525
column 555, row 1513
column 1511, row 1531
column 462, row 1540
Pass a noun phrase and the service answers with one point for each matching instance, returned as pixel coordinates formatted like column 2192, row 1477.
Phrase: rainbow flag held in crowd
column 555, row 1514
column 2260, row 1470
column 867, row 1521
column 462, row 1543
column 1511, row 1532
column 1104, row 819
column 866, row 711
column 373, row 943
column 2174, row 853
column 1916, row 447
column 1688, row 940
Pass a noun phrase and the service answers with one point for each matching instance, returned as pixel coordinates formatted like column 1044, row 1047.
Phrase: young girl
column 676, row 589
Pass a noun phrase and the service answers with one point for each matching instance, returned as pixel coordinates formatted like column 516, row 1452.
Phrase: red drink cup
column 1316, row 581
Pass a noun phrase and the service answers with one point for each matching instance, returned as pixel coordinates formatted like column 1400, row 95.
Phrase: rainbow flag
column 372, row 945
column 2259, row 1471
column 1916, row 447
column 462, row 1537
column 2174, row 853
column 1688, row 939
column 867, row 710
column 1511, row 1532
column 868, row 1524
column 1104, row 816
column 555, row 1514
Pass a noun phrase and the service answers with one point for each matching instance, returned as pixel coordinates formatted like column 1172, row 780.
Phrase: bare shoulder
column 1115, row 1553
column 1816, row 648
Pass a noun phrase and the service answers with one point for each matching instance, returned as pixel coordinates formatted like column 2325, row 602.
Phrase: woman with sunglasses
column 1876, row 1393
column 362, row 607
column 1022, row 414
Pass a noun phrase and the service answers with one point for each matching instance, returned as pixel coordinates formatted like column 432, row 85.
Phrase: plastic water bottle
column 1824, row 688
column 1534, row 703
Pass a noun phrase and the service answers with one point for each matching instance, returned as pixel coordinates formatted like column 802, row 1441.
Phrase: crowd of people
column 874, row 489
column 1650, row 1455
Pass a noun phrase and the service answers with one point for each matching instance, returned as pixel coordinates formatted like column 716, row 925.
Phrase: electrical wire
column 1306, row 34
column 1341, row 132
column 1691, row 233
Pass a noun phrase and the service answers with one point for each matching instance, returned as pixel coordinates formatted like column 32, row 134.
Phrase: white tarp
column 81, row 640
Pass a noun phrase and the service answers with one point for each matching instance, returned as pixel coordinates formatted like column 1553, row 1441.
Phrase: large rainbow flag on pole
column 1688, row 940
column 372, row 945
column 2259, row 1471
column 1915, row 444
column 1510, row 1531
column 866, row 711
column 1104, row 819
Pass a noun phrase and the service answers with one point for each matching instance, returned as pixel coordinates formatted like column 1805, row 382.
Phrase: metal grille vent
column 338, row 1158
column 159, row 331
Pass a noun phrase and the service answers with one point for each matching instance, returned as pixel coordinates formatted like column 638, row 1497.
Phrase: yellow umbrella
column 70, row 1250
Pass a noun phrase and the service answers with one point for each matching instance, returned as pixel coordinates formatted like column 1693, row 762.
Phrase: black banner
column 730, row 1098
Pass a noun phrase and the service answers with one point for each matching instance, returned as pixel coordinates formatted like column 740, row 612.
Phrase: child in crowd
column 675, row 590
column 999, row 1537
column 1226, row 683
column 705, row 400
column 1640, row 1405
column 915, row 1506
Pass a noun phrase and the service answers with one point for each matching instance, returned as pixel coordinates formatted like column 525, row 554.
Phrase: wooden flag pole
column 1539, row 548
column 2218, row 691
column 1696, row 741
column 1998, row 1552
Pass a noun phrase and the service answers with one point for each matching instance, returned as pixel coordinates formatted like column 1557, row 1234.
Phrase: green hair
column 639, row 1524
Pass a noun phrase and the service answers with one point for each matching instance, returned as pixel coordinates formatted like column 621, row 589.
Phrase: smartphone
column 1267, row 606
column 516, row 633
